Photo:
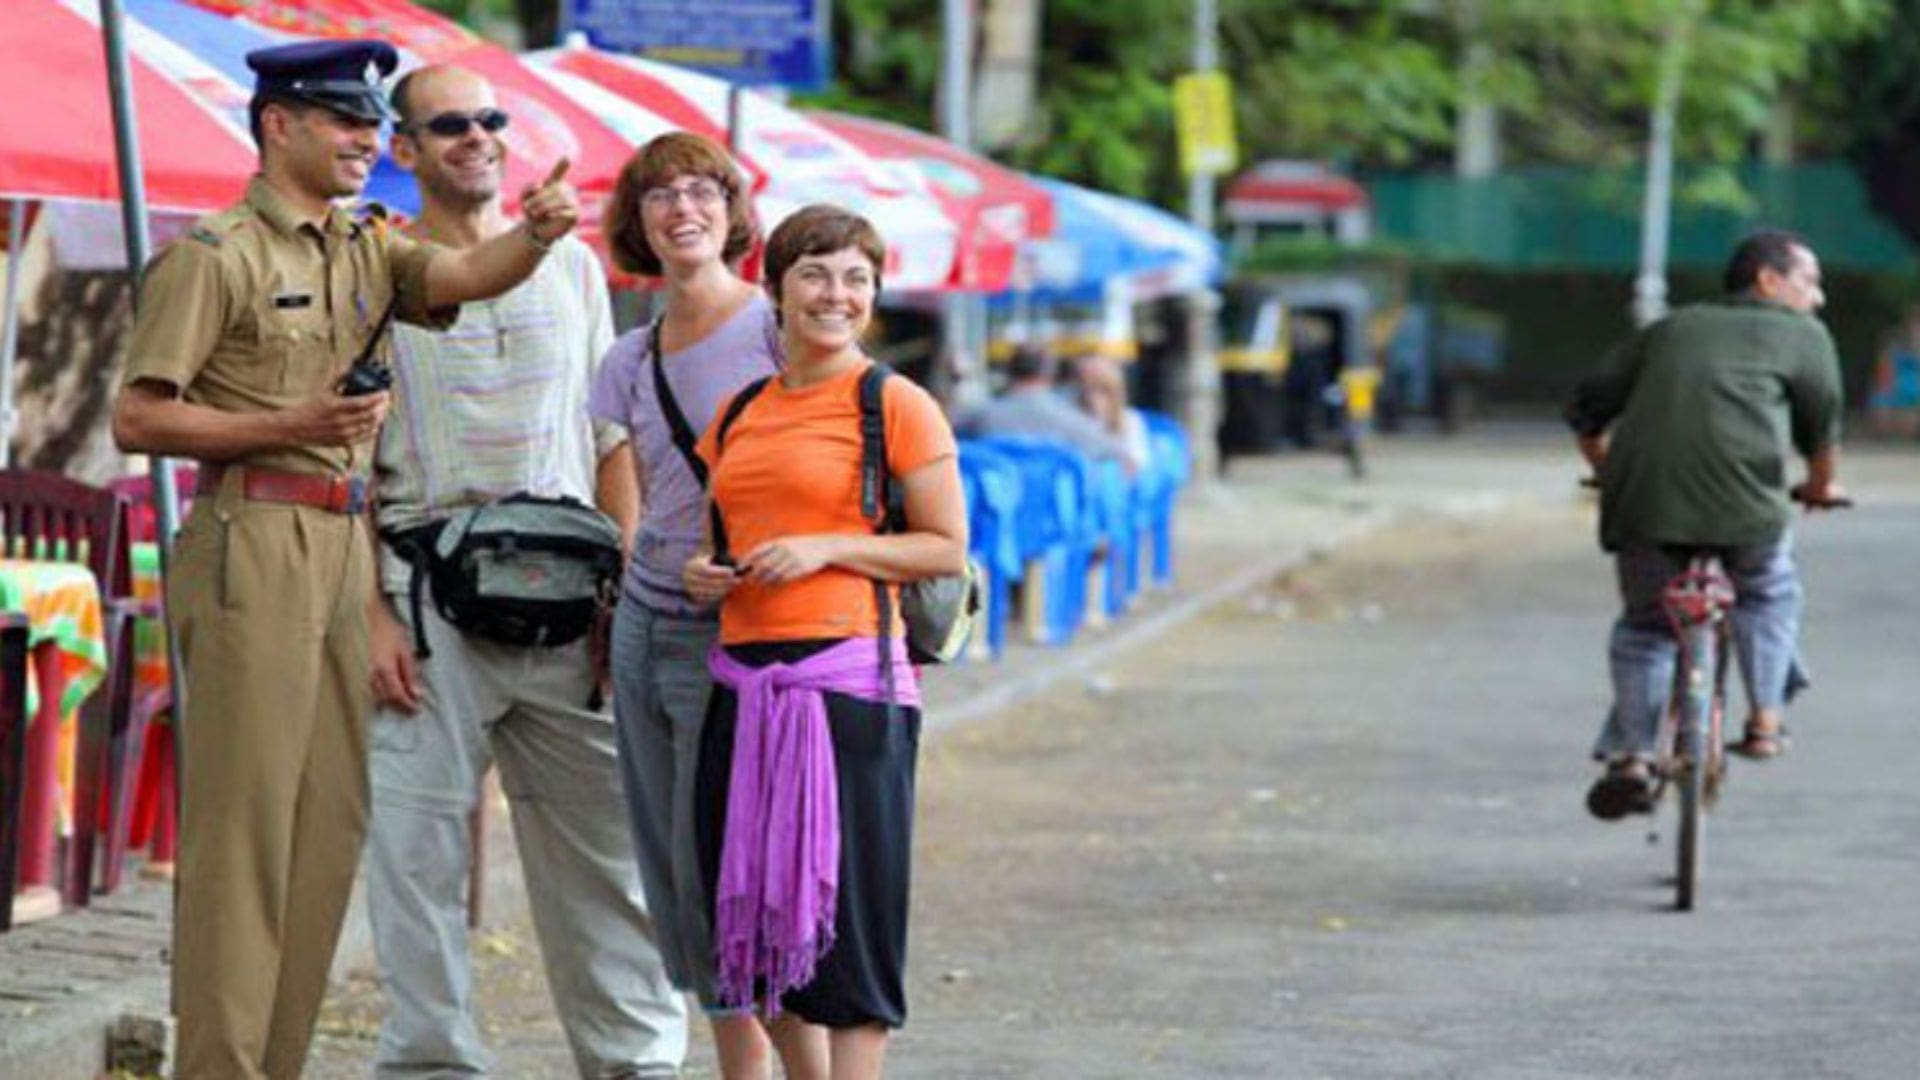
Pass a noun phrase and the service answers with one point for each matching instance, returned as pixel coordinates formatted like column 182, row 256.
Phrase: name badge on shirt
column 292, row 301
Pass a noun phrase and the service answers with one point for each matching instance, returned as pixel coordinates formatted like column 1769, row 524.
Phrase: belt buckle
column 346, row 494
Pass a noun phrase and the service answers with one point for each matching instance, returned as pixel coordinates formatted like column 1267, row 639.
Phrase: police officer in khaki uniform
column 245, row 329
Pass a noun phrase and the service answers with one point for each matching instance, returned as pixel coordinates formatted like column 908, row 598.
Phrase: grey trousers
column 661, row 686
column 523, row 709
column 1641, row 652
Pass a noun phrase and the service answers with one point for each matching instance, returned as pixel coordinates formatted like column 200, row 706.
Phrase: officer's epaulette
column 373, row 216
column 211, row 229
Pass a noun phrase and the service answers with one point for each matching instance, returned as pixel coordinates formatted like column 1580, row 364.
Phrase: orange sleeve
column 917, row 431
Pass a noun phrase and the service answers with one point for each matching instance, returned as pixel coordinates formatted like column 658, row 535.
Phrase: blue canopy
column 1100, row 239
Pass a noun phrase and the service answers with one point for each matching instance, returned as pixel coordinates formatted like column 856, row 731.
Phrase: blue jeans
column 1642, row 651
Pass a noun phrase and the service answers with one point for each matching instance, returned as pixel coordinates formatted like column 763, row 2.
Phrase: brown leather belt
column 321, row 491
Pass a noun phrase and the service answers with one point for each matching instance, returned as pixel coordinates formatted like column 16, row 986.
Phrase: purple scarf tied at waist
column 780, row 856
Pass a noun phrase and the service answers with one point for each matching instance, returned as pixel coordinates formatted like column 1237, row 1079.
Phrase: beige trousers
column 268, row 603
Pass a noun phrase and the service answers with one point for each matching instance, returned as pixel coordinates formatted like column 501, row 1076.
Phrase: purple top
column 702, row 375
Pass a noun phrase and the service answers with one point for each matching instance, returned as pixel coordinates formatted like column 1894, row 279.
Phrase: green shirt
column 1703, row 407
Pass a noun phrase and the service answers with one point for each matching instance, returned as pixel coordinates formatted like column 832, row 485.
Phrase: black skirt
column 861, row 979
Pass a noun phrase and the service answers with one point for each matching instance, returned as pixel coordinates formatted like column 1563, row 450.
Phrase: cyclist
column 1688, row 428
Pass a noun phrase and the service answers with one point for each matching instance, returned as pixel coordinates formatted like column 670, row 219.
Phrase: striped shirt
column 497, row 403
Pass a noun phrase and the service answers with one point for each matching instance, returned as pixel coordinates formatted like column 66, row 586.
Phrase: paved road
column 1335, row 829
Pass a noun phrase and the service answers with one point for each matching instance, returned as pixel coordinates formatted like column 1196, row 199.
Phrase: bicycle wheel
column 1695, row 756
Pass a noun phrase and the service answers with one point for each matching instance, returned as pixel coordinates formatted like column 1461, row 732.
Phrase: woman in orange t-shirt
column 804, row 798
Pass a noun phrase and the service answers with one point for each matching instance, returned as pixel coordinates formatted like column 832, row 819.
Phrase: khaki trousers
column 523, row 709
column 268, row 603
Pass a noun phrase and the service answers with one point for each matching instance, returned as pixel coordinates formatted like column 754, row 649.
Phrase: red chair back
column 45, row 515
column 139, row 493
column 13, row 753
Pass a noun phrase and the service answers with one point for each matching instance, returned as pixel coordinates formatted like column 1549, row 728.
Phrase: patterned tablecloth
column 149, row 635
column 65, row 634
column 62, row 604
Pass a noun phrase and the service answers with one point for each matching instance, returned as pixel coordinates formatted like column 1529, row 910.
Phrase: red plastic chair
column 52, row 517
column 13, row 754
column 138, row 490
column 151, row 821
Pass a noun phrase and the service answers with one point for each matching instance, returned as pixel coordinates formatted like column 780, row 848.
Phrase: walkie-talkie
column 367, row 375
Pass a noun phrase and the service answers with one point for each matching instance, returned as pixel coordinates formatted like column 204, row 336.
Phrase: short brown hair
column 661, row 161
column 821, row 229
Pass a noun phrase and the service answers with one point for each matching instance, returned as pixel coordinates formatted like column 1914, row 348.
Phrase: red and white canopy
column 57, row 142
column 998, row 209
column 791, row 160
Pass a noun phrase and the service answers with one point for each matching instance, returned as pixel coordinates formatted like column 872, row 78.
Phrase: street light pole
column 1650, row 285
column 1203, row 368
column 956, row 126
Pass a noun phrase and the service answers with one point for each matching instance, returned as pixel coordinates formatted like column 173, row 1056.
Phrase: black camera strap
column 670, row 407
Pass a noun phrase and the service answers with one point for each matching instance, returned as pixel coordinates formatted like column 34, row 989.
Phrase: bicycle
column 1691, row 744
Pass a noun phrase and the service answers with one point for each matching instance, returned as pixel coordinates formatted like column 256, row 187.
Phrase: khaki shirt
column 256, row 310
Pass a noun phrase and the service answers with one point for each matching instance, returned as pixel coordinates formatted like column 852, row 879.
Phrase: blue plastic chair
column 1113, row 503
column 1173, row 460
column 1048, row 526
column 993, row 490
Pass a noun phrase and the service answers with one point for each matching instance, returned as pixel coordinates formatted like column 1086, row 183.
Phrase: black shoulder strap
column 880, row 503
column 881, row 500
column 670, row 407
column 721, row 553
column 415, row 545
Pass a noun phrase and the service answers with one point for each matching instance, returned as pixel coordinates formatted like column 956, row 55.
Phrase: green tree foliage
column 1371, row 83
column 1577, row 77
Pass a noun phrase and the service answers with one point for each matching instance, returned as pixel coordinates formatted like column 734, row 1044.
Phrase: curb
column 1151, row 626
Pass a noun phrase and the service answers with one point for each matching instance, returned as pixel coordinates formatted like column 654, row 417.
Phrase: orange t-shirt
column 791, row 466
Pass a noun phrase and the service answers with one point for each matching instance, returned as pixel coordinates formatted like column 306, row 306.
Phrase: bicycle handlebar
column 1837, row 502
column 1798, row 493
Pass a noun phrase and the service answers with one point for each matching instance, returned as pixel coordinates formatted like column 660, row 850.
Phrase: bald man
column 493, row 406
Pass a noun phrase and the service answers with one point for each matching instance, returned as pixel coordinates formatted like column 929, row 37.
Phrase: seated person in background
column 1103, row 394
column 1029, row 406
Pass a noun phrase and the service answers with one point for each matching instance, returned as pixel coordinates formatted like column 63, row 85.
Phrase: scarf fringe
column 750, row 962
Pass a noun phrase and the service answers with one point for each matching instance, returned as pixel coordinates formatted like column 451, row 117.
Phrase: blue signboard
column 744, row 41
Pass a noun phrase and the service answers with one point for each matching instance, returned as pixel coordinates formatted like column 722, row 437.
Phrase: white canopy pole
column 133, row 211
column 10, row 334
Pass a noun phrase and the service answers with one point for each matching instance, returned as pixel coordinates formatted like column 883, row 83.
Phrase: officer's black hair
column 1769, row 248
column 258, row 106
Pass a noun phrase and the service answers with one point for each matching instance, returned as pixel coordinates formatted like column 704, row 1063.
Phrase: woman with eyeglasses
column 680, row 213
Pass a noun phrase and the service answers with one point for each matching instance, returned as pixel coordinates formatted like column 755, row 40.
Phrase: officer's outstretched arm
column 149, row 417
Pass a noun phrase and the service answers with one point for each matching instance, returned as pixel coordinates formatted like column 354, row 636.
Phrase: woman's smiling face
column 686, row 219
column 826, row 301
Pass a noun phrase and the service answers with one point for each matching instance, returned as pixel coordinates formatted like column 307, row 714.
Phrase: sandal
column 1761, row 741
column 1627, row 788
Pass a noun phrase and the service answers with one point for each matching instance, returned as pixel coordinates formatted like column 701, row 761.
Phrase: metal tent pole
column 133, row 212
column 10, row 334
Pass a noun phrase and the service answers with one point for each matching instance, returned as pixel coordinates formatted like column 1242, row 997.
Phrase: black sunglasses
column 452, row 125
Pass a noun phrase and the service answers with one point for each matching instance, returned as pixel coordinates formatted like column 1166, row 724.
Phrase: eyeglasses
column 700, row 192
column 453, row 125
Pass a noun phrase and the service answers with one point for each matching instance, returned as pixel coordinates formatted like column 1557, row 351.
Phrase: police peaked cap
column 343, row 76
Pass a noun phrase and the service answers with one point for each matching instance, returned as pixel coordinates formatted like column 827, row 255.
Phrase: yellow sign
column 1203, row 117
